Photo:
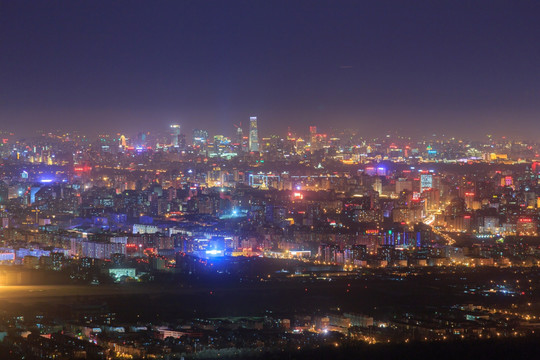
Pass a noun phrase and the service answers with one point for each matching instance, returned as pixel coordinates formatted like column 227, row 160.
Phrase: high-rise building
column 4, row 192
column 182, row 141
column 175, row 135
column 426, row 182
column 200, row 137
column 253, row 135
column 240, row 138
column 313, row 138
column 141, row 139
column 123, row 142
column 313, row 131
column 317, row 141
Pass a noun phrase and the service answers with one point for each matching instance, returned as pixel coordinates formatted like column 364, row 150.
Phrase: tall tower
column 175, row 134
column 240, row 137
column 314, row 145
column 253, row 135
column 123, row 142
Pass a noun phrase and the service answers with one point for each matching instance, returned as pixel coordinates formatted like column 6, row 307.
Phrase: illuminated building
column 470, row 201
column 526, row 226
column 118, row 273
column 263, row 180
column 426, row 182
column 507, row 181
column 4, row 192
column 144, row 229
column 432, row 199
column 377, row 185
column 175, row 135
column 239, row 138
column 317, row 141
column 123, row 142
column 253, row 135
column 6, row 257
column 313, row 136
column 200, row 137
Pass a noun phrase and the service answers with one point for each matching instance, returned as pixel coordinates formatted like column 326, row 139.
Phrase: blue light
column 214, row 252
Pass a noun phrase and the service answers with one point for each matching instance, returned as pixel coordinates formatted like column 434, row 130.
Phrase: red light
column 85, row 168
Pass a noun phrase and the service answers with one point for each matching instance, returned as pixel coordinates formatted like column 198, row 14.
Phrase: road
column 429, row 220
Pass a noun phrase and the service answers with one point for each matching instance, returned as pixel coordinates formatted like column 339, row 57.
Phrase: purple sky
column 417, row 67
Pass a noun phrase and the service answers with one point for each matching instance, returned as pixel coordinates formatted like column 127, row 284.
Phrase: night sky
column 415, row 67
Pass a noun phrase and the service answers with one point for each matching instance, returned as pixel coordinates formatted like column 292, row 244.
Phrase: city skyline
column 302, row 179
column 426, row 69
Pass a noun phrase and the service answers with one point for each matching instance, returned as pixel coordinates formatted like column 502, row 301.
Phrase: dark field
column 378, row 294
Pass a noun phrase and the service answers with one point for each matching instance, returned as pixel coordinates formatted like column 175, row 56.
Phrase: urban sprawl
column 170, row 245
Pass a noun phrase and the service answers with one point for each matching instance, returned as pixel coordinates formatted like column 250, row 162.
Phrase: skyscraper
column 175, row 135
column 313, row 137
column 123, row 142
column 253, row 135
column 200, row 137
column 240, row 138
